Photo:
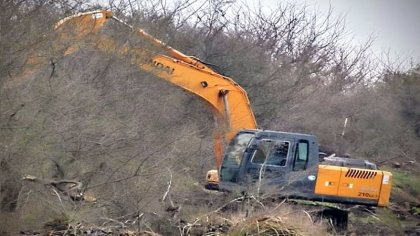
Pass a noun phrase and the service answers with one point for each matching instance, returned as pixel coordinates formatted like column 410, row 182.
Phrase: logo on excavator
column 312, row 177
column 163, row 67
column 367, row 195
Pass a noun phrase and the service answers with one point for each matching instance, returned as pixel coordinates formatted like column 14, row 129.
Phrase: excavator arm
column 227, row 100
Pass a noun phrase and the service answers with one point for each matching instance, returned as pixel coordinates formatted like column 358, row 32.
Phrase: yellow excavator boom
column 227, row 100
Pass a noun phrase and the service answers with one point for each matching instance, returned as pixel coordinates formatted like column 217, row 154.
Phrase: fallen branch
column 169, row 186
column 75, row 191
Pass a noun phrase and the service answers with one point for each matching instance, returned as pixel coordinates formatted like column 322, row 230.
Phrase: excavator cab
column 270, row 158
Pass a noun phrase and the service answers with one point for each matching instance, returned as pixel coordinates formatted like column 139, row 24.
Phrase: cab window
column 301, row 155
column 236, row 149
column 271, row 152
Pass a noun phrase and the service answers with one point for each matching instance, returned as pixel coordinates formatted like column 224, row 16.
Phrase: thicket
column 126, row 135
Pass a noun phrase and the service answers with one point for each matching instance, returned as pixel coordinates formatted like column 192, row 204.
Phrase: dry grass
column 276, row 220
column 281, row 220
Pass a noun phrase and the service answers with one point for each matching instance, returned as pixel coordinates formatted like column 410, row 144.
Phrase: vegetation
column 130, row 137
column 407, row 181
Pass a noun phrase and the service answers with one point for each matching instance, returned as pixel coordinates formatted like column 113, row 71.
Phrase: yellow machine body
column 354, row 183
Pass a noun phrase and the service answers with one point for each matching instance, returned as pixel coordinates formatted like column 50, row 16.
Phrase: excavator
column 289, row 163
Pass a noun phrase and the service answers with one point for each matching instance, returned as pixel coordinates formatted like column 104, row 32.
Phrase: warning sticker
column 385, row 180
column 97, row 15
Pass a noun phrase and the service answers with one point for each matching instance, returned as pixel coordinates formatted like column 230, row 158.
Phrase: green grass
column 415, row 211
column 409, row 182
column 315, row 203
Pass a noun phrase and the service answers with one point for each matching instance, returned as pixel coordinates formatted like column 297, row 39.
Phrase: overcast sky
column 395, row 24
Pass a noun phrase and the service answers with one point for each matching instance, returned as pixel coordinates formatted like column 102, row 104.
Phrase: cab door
column 269, row 162
column 302, row 175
